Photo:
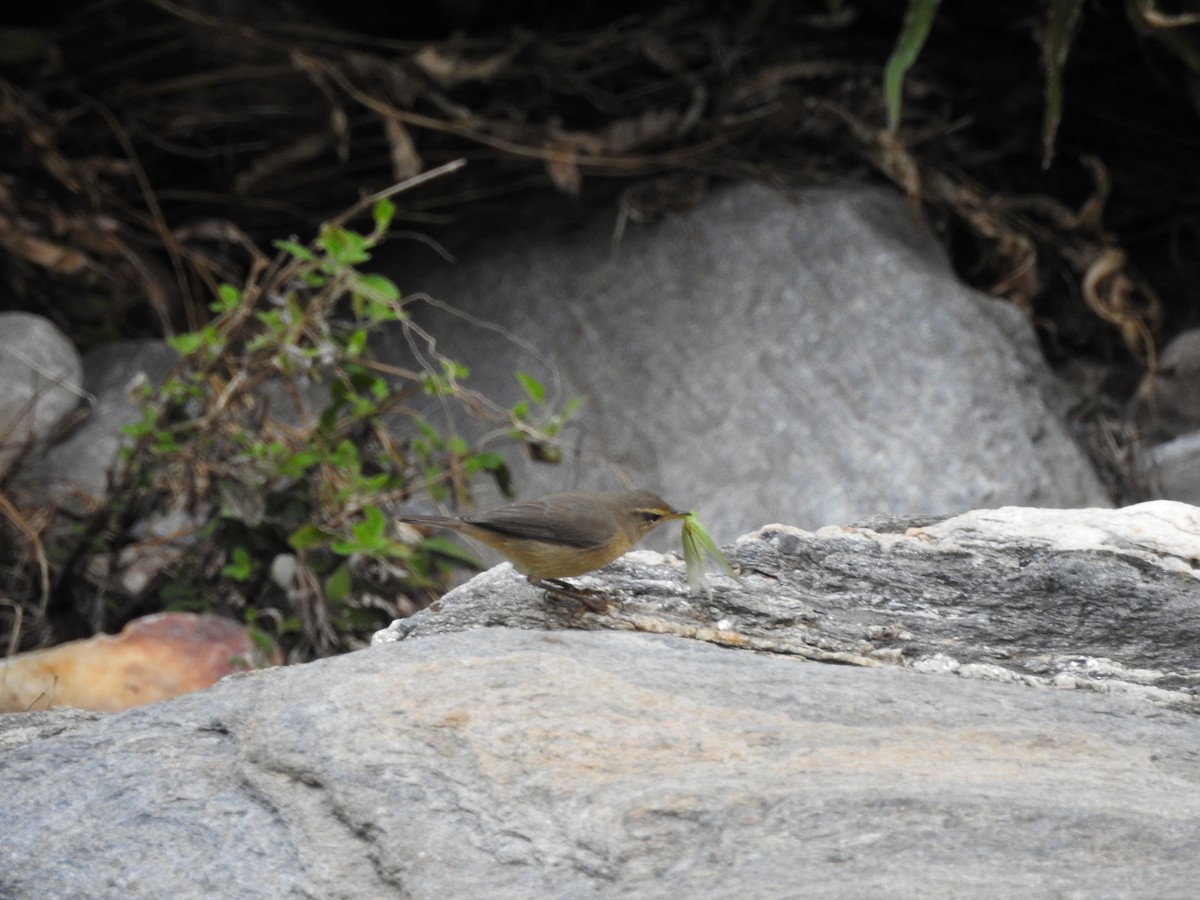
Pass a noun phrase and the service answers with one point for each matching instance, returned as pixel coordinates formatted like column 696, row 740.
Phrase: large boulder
column 807, row 360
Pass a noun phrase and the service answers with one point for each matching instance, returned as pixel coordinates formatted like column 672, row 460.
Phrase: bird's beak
column 679, row 514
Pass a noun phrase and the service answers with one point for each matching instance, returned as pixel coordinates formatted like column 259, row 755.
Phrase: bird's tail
column 432, row 521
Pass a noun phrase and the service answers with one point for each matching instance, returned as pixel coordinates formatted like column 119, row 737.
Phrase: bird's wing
column 544, row 520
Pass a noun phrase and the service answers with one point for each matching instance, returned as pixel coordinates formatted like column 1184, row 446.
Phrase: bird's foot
column 595, row 601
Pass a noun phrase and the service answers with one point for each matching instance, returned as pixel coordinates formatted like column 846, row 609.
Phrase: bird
column 561, row 535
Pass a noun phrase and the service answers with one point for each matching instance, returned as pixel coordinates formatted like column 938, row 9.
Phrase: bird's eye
column 650, row 515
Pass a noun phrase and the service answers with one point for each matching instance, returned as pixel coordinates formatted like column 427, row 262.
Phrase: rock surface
column 1167, row 412
column 41, row 375
column 1173, row 467
column 811, row 362
column 1097, row 599
column 1168, row 404
column 77, row 468
column 512, row 746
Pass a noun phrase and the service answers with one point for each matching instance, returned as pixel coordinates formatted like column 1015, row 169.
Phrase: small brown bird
column 563, row 534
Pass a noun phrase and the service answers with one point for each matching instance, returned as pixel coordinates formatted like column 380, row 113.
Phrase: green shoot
column 699, row 549
column 917, row 22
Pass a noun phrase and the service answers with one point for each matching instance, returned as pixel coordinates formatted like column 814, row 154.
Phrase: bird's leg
column 591, row 599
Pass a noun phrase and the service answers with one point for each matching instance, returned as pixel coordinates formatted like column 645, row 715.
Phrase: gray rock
column 40, row 372
column 760, row 359
column 77, row 468
column 1168, row 404
column 477, row 761
column 1173, row 467
column 1167, row 411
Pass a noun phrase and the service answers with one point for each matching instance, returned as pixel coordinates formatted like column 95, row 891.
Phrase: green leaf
column 372, row 527
column 375, row 287
column 384, row 309
column 261, row 640
column 367, row 535
column 356, row 342
column 337, row 585
column 379, row 389
column 299, row 251
column 486, row 461
column 1064, row 15
column 135, row 430
column 272, row 319
column 915, row 30
column 308, row 536
column 296, row 464
column 179, row 598
column 345, row 456
column 186, row 344
column 383, row 213
column 191, row 342
column 346, row 247
column 241, row 567
column 165, row 442
column 228, row 298
column 534, row 388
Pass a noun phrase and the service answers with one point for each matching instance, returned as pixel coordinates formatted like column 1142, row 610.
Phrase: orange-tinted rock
column 153, row 658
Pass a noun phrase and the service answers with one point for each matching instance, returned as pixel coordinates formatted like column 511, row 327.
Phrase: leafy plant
column 299, row 528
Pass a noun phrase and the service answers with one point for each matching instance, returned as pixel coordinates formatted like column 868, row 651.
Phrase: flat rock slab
column 1094, row 599
column 499, row 763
